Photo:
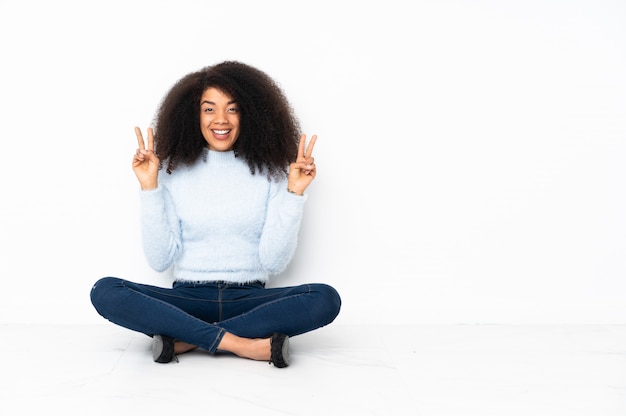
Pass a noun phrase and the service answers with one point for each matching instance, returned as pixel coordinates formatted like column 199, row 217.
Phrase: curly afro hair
column 269, row 130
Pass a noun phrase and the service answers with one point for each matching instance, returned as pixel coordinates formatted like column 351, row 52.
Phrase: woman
column 222, row 179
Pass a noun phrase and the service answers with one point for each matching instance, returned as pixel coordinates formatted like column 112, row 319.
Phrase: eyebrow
column 212, row 103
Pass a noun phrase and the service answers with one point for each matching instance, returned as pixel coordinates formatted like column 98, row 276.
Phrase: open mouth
column 221, row 132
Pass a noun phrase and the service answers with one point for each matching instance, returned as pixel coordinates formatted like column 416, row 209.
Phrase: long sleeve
column 279, row 238
column 160, row 229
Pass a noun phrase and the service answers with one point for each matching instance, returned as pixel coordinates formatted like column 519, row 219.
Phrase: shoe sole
column 158, row 351
column 157, row 347
column 280, row 358
column 285, row 352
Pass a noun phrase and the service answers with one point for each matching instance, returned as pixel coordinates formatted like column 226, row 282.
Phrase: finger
column 303, row 167
column 309, row 148
column 301, row 147
column 140, row 138
column 150, row 139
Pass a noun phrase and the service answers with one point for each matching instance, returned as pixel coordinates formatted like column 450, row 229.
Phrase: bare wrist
column 148, row 187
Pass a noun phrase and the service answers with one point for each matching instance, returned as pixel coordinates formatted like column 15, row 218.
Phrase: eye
column 207, row 109
column 233, row 109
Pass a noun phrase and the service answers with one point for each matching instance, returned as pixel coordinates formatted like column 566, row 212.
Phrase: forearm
column 161, row 241
column 280, row 232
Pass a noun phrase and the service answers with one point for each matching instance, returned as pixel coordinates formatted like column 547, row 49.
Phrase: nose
column 220, row 117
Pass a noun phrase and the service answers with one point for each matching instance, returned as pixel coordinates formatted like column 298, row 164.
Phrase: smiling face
column 219, row 120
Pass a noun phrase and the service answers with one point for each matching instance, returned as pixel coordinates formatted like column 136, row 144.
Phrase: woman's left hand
column 302, row 171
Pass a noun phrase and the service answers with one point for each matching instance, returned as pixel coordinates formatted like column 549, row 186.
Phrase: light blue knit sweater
column 215, row 221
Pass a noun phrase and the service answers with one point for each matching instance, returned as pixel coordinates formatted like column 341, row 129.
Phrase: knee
column 101, row 293
column 330, row 299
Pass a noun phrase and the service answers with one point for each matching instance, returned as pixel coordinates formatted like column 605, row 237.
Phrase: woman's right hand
column 146, row 162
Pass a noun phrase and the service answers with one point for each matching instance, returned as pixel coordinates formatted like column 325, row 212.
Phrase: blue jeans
column 201, row 313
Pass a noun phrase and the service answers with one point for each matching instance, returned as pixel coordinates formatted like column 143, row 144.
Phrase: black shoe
column 279, row 344
column 163, row 349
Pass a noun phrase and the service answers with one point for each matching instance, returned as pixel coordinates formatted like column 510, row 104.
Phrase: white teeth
column 220, row 131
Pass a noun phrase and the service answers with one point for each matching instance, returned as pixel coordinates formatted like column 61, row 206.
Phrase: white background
column 470, row 153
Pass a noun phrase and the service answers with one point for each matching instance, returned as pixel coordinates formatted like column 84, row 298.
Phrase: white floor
column 456, row 370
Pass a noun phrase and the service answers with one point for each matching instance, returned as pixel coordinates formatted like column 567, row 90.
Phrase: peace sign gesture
column 145, row 161
column 302, row 171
